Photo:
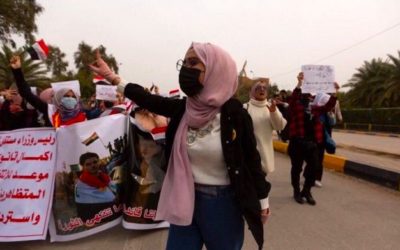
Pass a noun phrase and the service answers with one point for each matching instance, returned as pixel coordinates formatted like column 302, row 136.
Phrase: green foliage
column 376, row 119
column 18, row 17
column 56, row 63
column 376, row 84
column 272, row 90
column 34, row 71
column 85, row 56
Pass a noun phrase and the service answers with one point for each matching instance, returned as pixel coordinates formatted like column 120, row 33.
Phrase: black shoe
column 298, row 198
column 310, row 200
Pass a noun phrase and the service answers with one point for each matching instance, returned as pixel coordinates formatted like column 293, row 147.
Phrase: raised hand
column 101, row 68
column 156, row 90
column 272, row 107
column 10, row 93
column 15, row 62
column 300, row 78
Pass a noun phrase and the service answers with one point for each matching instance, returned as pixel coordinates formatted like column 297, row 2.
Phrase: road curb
column 367, row 133
column 376, row 175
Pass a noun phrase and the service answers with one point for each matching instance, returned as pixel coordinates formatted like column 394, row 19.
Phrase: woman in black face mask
column 191, row 74
column 213, row 177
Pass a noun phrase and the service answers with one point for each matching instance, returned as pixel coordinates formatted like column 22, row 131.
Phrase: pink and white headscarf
column 176, row 204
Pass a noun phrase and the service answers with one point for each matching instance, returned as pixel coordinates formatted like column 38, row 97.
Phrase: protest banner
column 145, row 177
column 318, row 79
column 106, row 92
column 27, row 159
column 91, row 157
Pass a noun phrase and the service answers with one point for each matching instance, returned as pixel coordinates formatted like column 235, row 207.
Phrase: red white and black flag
column 93, row 137
column 98, row 78
column 38, row 50
column 174, row 93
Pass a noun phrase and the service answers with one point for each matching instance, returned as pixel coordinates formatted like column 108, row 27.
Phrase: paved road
column 374, row 150
column 350, row 214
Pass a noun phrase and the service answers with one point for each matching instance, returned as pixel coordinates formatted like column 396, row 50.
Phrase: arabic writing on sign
column 138, row 212
column 17, row 157
column 133, row 211
column 13, row 174
column 150, row 214
column 27, row 163
column 106, row 92
column 99, row 217
column 318, row 79
column 26, row 140
column 77, row 222
column 70, row 225
column 10, row 218
column 117, row 208
column 21, row 193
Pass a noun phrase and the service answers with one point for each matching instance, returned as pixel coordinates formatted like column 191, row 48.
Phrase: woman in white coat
column 266, row 118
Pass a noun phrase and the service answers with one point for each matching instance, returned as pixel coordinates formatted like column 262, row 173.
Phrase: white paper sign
column 27, row 160
column 318, row 79
column 74, row 85
column 106, row 92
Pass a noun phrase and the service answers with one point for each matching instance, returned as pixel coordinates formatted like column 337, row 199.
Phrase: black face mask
column 189, row 81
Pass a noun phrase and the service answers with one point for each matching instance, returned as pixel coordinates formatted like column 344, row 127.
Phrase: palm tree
column 86, row 55
column 391, row 97
column 56, row 63
column 18, row 17
column 368, row 84
column 34, row 71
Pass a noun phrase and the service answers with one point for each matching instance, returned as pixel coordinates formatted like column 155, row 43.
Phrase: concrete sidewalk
column 383, row 144
column 375, row 158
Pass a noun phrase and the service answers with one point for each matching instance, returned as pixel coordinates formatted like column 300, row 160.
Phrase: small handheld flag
column 98, row 78
column 174, row 93
column 38, row 50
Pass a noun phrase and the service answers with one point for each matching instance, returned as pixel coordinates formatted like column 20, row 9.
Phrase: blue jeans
column 217, row 222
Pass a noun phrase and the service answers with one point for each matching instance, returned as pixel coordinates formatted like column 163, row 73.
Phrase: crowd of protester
column 197, row 125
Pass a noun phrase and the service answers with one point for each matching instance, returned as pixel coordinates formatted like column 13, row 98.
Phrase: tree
column 376, row 84
column 368, row 84
column 391, row 97
column 56, row 64
column 273, row 89
column 86, row 55
column 34, row 71
column 18, row 17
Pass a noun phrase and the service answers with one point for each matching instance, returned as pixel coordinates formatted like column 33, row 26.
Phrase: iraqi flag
column 38, row 50
column 93, row 137
column 158, row 133
column 174, row 93
column 98, row 78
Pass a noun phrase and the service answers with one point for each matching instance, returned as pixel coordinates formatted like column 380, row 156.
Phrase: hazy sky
column 276, row 37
